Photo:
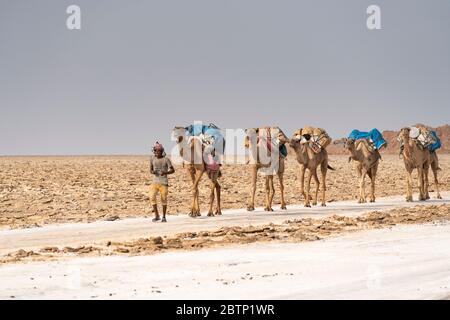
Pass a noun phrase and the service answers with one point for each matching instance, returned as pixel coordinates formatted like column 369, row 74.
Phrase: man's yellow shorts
column 162, row 190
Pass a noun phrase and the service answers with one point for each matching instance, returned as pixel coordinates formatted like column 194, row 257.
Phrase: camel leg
column 270, row 191
column 421, row 176
column 435, row 168
column 426, row 182
column 283, row 202
column 409, row 197
column 211, row 195
column 198, row 177
column 436, row 182
column 266, row 206
column 362, row 187
column 251, row 205
column 218, row 190
column 191, row 173
column 302, row 181
column 360, row 173
column 372, row 185
column 316, row 194
column 194, row 199
column 308, row 188
column 324, row 169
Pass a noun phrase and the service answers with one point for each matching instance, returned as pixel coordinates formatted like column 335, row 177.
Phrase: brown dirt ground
column 35, row 191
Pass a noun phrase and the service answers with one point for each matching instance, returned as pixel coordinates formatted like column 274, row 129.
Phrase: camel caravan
column 202, row 147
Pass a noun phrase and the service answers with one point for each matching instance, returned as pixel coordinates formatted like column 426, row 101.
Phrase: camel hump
column 365, row 143
column 270, row 131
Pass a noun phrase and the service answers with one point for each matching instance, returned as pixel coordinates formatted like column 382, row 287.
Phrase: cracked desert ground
column 65, row 220
column 36, row 191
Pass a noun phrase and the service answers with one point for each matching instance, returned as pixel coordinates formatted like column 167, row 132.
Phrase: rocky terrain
column 36, row 191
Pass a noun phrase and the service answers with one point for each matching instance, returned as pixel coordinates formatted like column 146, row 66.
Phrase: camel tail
column 330, row 167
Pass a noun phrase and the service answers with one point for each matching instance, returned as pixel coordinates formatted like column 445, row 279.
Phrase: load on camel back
column 373, row 137
column 213, row 143
column 426, row 138
column 269, row 137
column 317, row 138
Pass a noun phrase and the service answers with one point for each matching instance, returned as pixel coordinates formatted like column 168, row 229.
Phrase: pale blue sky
column 139, row 68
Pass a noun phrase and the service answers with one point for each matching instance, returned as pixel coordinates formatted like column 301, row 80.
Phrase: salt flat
column 404, row 262
column 133, row 228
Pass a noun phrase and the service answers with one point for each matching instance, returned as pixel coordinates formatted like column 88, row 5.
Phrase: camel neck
column 353, row 151
column 191, row 153
column 304, row 154
column 407, row 147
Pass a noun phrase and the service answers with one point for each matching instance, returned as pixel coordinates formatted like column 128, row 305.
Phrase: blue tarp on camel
column 373, row 135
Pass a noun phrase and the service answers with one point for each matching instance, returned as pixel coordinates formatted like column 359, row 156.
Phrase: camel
column 309, row 160
column 194, row 162
column 215, row 188
column 367, row 158
column 415, row 157
column 261, row 142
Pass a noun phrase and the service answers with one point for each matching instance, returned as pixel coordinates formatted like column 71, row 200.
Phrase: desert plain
column 36, row 191
column 57, row 213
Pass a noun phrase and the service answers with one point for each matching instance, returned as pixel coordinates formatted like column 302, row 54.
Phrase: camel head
column 251, row 135
column 349, row 144
column 403, row 136
column 190, row 147
column 282, row 138
column 342, row 141
column 179, row 134
column 346, row 143
column 297, row 139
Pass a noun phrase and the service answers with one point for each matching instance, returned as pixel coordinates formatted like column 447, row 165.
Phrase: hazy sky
column 138, row 68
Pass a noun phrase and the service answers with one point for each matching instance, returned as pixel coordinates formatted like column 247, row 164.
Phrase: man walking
column 160, row 168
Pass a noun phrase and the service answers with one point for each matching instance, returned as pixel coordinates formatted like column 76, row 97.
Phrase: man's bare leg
column 164, row 213
column 155, row 210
